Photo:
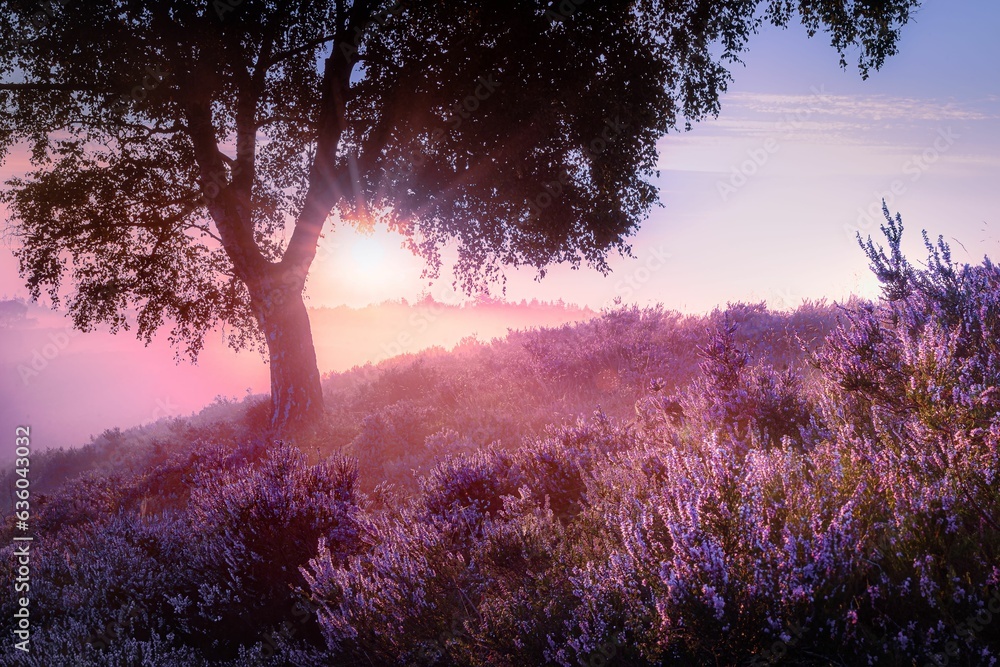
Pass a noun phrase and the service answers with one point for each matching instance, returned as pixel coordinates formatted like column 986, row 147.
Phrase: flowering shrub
column 98, row 591
column 755, row 488
column 208, row 582
column 259, row 523
column 752, row 404
column 749, row 518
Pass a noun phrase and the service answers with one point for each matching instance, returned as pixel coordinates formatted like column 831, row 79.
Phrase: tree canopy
column 186, row 155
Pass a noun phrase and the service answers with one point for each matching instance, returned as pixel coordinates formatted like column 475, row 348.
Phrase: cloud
column 843, row 120
column 855, row 107
column 807, row 129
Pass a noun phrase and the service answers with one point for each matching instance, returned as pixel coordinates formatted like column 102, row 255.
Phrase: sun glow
column 368, row 254
column 359, row 268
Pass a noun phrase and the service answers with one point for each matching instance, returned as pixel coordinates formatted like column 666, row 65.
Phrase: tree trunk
column 296, row 392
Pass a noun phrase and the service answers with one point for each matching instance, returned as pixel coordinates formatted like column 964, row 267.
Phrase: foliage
column 185, row 157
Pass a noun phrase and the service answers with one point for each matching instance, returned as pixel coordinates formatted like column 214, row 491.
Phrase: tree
column 186, row 156
column 13, row 312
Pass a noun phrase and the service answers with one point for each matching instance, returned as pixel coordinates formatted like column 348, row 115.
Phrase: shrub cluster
column 731, row 502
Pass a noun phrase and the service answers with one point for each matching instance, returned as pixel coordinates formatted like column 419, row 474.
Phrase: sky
column 760, row 204
column 781, row 228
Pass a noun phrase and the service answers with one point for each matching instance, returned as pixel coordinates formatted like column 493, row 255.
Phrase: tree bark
column 296, row 392
column 276, row 288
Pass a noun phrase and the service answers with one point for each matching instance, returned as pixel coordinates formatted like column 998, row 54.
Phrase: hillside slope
column 817, row 487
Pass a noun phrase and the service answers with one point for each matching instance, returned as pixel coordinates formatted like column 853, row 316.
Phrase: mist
column 70, row 386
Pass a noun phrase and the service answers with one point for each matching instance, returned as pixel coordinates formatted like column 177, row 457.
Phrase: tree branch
column 288, row 53
column 325, row 178
column 234, row 223
column 98, row 124
column 277, row 118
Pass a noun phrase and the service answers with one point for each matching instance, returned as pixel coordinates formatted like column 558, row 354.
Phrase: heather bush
column 99, row 591
column 210, row 580
column 752, row 404
column 391, row 442
column 393, row 601
column 753, row 488
column 750, row 516
column 471, row 485
column 911, row 386
column 459, row 550
column 259, row 522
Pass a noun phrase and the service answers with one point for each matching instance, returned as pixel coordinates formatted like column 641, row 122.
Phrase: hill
column 643, row 488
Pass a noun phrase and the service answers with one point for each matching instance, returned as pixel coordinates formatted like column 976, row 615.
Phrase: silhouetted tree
column 13, row 312
column 187, row 155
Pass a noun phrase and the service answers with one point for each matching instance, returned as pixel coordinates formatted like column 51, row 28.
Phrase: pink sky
column 68, row 386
